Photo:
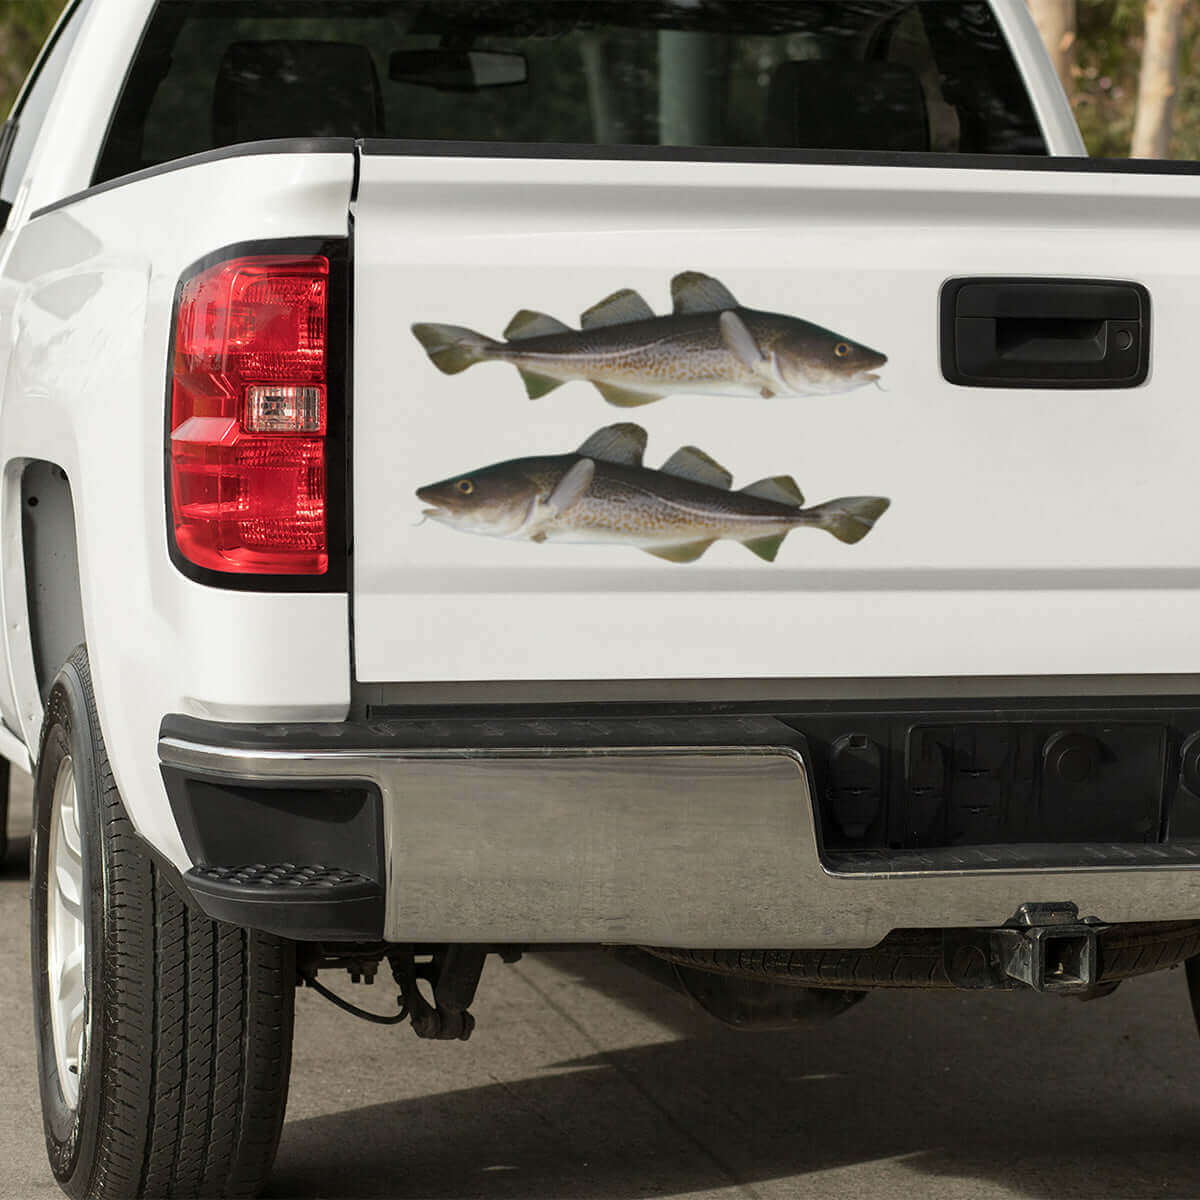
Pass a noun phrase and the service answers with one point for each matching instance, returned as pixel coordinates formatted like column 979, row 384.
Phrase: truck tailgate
column 1031, row 530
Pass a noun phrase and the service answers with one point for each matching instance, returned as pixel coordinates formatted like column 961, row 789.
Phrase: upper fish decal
column 709, row 345
column 603, row 494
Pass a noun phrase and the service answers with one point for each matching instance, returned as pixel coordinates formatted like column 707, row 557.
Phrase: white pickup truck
column 353, row 623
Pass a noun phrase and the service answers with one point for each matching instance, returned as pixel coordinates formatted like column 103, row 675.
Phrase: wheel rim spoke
column 67, row 882
column 66, row 953
column 70, row 980
column 69, row 820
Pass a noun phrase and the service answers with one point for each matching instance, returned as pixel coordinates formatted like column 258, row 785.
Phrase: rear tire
column 180, row 1040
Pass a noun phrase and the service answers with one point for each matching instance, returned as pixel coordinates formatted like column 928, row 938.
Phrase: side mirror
column 458, row 70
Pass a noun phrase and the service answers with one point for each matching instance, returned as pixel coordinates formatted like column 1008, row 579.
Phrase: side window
column 22, row 128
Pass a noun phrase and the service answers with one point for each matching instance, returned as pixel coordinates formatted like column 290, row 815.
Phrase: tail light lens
column 249, row 411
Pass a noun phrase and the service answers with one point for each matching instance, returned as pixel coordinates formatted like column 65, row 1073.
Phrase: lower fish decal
column 709, row 345
column 603, row 494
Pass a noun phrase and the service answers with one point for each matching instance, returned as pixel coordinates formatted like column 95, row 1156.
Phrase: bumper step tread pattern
column 913, row 958
column 308, row 902
column 283, row 875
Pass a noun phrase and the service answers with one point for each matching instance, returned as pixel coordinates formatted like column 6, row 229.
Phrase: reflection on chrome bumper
column 711, row 845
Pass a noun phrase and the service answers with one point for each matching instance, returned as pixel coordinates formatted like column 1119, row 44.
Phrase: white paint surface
column 1031, row 531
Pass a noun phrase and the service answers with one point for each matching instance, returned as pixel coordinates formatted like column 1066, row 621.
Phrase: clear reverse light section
column 249, row 417
column 285, row 408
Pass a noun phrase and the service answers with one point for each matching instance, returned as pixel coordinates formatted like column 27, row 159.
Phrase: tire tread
column 197, row 1028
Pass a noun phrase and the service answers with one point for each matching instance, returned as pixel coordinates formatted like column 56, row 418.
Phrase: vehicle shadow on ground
column 16, row 861
column 20, row 818
column 1018, row 1091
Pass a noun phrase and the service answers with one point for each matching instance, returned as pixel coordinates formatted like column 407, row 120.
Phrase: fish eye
column 841, row 349
column 465, row 486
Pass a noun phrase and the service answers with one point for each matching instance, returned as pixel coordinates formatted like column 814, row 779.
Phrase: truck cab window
column 930, row 75
column 22, row 128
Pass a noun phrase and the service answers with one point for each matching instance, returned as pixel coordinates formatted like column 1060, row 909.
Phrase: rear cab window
column 868, row 75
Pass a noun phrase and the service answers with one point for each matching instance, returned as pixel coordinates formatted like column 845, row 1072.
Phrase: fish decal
column 603, row 494
column 709, row 345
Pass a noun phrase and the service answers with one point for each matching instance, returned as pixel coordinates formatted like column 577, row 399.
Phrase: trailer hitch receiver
column 1048, row 948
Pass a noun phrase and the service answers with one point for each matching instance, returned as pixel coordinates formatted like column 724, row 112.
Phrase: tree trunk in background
column 1055, row 20
column 1159, row 80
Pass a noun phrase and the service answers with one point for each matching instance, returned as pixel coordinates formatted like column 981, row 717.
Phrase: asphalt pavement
column 584, row 1080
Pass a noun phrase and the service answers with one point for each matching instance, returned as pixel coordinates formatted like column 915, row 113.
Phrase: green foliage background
column 23, row 27
column 1107, row 59
column 1107, row 54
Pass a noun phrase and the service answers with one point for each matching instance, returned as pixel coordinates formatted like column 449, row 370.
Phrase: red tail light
column 249, row 415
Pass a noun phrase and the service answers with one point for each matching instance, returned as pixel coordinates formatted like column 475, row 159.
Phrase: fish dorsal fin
column 572, row 485
column 783, row 489
column 624, row 444
column 621, row 308
column 529, row 324
column 689, row 463
column 696, row 293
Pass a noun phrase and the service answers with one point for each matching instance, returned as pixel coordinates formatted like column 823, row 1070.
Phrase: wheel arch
column 42, row 590
column 50, row 553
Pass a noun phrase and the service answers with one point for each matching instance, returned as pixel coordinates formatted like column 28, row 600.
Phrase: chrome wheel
column 65, row 949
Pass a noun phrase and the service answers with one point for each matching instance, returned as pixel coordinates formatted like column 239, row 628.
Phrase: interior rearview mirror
column 458, row 70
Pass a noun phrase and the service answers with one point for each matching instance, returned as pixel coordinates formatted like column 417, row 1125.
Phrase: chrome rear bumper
column 673, row 845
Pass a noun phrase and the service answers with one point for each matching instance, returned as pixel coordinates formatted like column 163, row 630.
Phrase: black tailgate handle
column 1045, row 333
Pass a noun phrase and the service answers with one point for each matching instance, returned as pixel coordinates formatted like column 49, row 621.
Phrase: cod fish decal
column 603, row 494
column 709, row 345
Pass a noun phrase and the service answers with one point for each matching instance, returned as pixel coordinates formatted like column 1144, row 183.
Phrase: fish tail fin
column 849, row 518
column 451, row 348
